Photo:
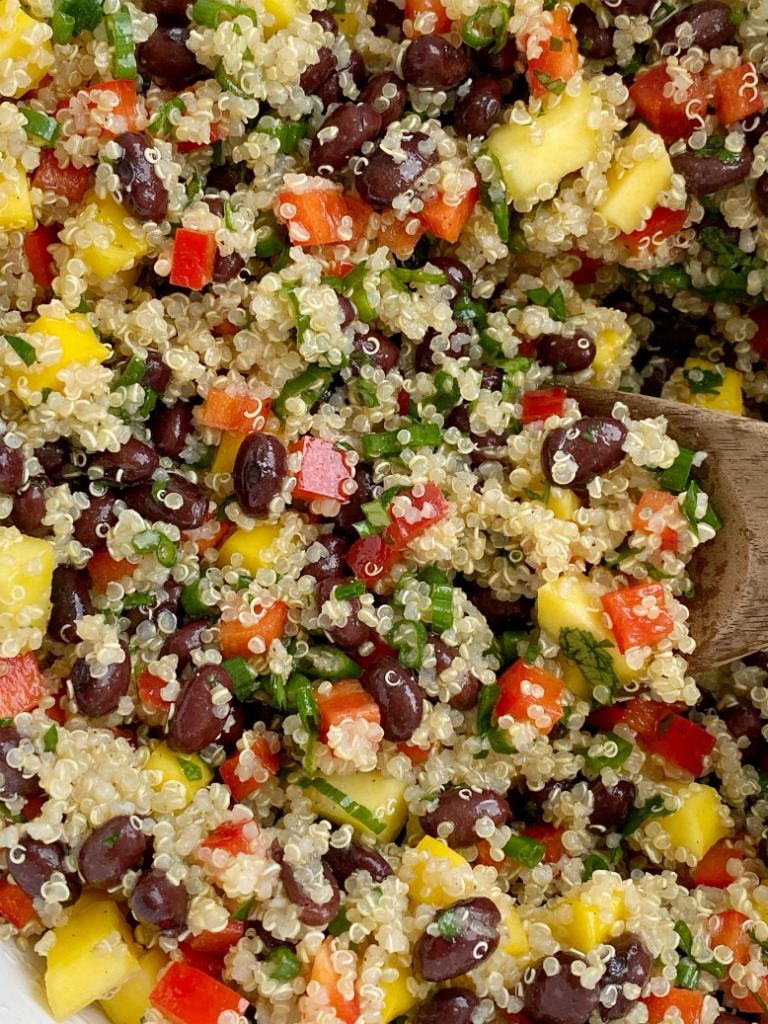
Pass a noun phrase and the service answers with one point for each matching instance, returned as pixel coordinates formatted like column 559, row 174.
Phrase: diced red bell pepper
column 346, row 702
column 731, row 929
column 641, row 715
column 104, row 569
column 69, row 182
column 671, row 119
column 210, row 535
column 651, row 502
column 380, row 650
column 128, row 114
column 324, row 470
column 370, row 558
column 427, row 508
column 326, row 975
column 194, row 254
column 737, row 94
column 587, row 272
column 661, row 225
column 230, row 836
column 186, row 995
column 688, row 1002
column 235, row 636
column 399, row 236
column 218, row 943
column 361, row 214
column 216, row 133
column 630, row 628
column 551, row 837
column 483, row 855
column 15, row 906
column 22, row 686
column 518, row 1017
column 315, row 217
column 427, row 18
column 559, row 57
column 268, row 765
column 149, row 688
column 33, row 807
column 403, row 401
column 231, row 408
column 37, row 246
column 211, row 964
column 448, row 221
column 542, row 403
column 682, row 742
column 712, row 869
column 525, row 687
column 418, row 755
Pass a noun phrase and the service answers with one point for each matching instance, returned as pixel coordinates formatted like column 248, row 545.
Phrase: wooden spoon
column 729, row 610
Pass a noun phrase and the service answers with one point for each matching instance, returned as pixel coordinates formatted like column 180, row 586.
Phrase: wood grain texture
column 729, row 611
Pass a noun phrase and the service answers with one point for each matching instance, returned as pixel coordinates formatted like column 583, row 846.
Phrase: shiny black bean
column 260, row 468
column 478, row 108
column 144, row 194
column 11, row 469
column 346, row 860
column 656, row 374
column 110, row 850
column 134, row 462
column 342, row 136
column 169, row 426
column 226, row 268
column 706, row 24
column 595, row 40
column 330, row 565
column 356, row 67
column 462, row 807
column 354, row 632
column 13, row 782
column 156, row 901
column 382, row 178
column 534, row 800
column 561, row 998
column 492, row 378
column 755, row 127
column 592, row 445
column 632, row 8
column 449, row 1006
column 70, row 599
column 350, row 512
column 162, row 504
column 53, row 456
column 387, row 20
column 224, row 179
column 468, row 695
column 158, row 375
column 459, row 345
column 167, row 59
column 195, row 724
column 566, row 355
column 91, row 527
column 398, row 696
column 168, row 12
column 184, row 641
column 611, row 805
column 631, row 964
column 707, row 174
column 501, row 64
column 32, row 863
column 234, row 725
column 744, row 723
column 29, row 508
column 317, row 915
column 313, row 77
column 474, row 927
column 761, row 194
column 457, row 274
column 431, row 62
column 388, row 95
column 377, row 350
column 327, row 20
column 330, row 91
column 348, row 311
column 501, row 615
column 97, row 696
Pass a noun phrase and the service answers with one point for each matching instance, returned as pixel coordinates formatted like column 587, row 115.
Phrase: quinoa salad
column 344, row 657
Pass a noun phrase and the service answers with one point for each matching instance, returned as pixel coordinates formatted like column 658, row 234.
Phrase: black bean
column 473, row 925
column 478, row 108
column 317, row 915
column 350, row 512
column 71, row 599
column 354, row 632
column 486, row 445
column 194, row 724
column 348, row 311
column 759, row 659
column 631, row 964
column 330, row 91
column 743, row 721
column 11, row 469
column 342, row 136
column 433, row 63
column 158, row 499
column 589, row 448
column 32, row 863
column 92, row 525
column 388, row 95
column 611, row 805
column 110, row 850
column 468, row 695
column 167, row 59
column 707, row 174
column 706, row 24
column 387, row 20
column 561, row 998
column 501, row 615
column 53, row 456
column 356, row 67
column 449, row 1006
column 533, row 800
column 156, row 901
column 459, row 344
column 182, row 642
column 761, row 194
column 632, row 8
column 377, row 350
column 326, row 19
column 169, row 426
column 566, row 355
column 226, row 268
column 144, row 194
column 595, row 40
column 382, row 178
column 13, row 782
column 260, row 468
column 492, row 378
column 158, row 375
column 398, row 696
column 134, row 462
column 313, row 77
column 457, row 274
column 755, row 127
column 234, row 725
column 346, row 860
column 224, row 179
column 500, row 64
column 97, row 696
column 29, row 509
column 463, row 807
column 168, row 12
column 330, row 565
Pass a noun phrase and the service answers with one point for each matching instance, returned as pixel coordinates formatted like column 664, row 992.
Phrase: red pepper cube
column 531, row 694
column 551, row 837
column 186, row 995
column 661, row 225
column 316, row 217
column 447, row 221
column 15, row 906
column 426, row 17
column 194, row 253
column 539, row 405
column 688, row 1002
column 69, row 182
column 259, row 768
column 229, row 836
column 149, row 687
column 22, row 686
column 737, row 94
column 713, row 870
column 127, row 115
column 672, row 118
column 346, row 702
column 558, row 60
column 324, row 470
column 241, row 411
column 370, row 558
column 682, row 742
column 651, row 503
column 218, row 943
column 37, row 246
column 628, row 610
column 427, row 507
column 642, row 716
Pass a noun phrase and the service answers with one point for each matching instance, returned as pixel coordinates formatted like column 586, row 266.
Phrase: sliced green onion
column 308, row 385
column 146, row 541
column 493, row 195
column 306, row 705
column 287, row 964
column 346, row 591
column 675, row 478
column 139, row 599
column 376, row 514
column 243, row 912
column 361, row 814
column 340, row 924
column 592, row 863
column 405, row 276
column 134, row 373
column 120, row 37
column 595, row 764
column 409, row 640
column 350, row 280
column 327, row 662
column 22, row 348
column 163, row 123
column 192, row 601
column 211, row 12
column 499, row 741
column 688, row 974
column 51, row 739
column 71, row 17
column 40, row 125
column 715, row 968
column 363, row 305
column 288, row 133
column 525, row 850
column 368, row 393
column 392, row 442
column 243, row 680
column 166, row 552
column 441, row 596
column 447, row 392
column 486, row 705
column 149, row 541
column 227, row 83
column 685, row 937
column 275, row 690
column 487, row 27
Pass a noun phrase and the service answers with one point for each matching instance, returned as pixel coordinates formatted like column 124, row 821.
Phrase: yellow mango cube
column 252, row 545
column 574, row 678
column 15, row 205
column 26, row 42
column 398, row 998
column 579, row 922
column 188, row 769
column 640, row 172
column 116, row 247
column 725, row 395
column 609, row 346
column 365, row 800
column 556, row 143
column 94, row 954
column 701, row 821
column 516, row 942
column 564, row 503
column 283, row 12
column 440, row 861
column 26, row 572
column 226, row 453
column 348, row 24
column 131, row 1002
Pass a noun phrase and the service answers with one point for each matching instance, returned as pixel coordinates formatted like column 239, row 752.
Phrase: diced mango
column 66, row 340
column 253, row 545
column 188, row 769
column 578, row 922
column 15, row 205
column 640, row 172
column 724, row 397
column 283, row 11
column 609, row 345
column 558, row 142
column 516, row 942
column 574, row 678
column 348, row 24
column 226, row 453
column 131, row 1002
column 26, row 572
column 380, row 795
column 699, row 823
column 564, row 503
column 441, row 860
column 94, row 954
column 398, row 998
column 567, row 603
column 116, row 248
column 20, row 37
